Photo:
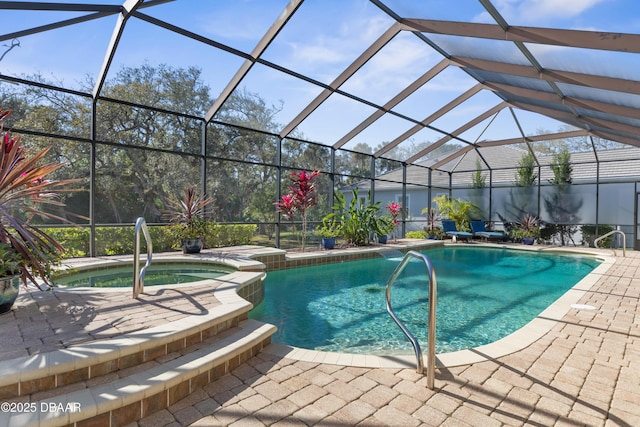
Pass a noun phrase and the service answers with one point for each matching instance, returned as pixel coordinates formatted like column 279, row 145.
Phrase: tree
column 522, row 197
column 562, row 205
column 354, row 163
column 561, row 168
column 526, row 175
column 478, row 180
column 302, row 196
column 244, row 158
column 130, row 181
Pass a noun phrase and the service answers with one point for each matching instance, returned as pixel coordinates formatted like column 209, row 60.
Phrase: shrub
column 416, row 235
column 229, row 234
column 119, row 240
column 589, row 235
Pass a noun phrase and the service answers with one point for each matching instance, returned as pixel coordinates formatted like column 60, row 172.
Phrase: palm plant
column 456, row 209
column 24, row 190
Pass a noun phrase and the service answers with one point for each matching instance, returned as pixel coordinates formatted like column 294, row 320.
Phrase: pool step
column 139, row 394
column 46, row 372
column 86, row 362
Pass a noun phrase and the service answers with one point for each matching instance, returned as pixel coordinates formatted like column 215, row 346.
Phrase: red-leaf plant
column 287, row 207
column 302, row 196
column 24, row 189
column 394, row 210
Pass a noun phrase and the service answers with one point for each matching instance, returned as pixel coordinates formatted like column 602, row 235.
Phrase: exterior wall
column 581, row 204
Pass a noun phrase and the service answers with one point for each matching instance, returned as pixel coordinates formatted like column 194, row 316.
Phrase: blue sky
column 322, row 39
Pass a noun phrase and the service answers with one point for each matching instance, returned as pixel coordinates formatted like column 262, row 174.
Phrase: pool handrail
column 431, row 320
column 624, row 241
column 138, row 274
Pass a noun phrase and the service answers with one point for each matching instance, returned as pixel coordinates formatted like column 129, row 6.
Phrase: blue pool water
column 484, row 294
column 157, row 274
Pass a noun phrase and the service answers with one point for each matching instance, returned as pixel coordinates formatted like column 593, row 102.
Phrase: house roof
column 618, row 164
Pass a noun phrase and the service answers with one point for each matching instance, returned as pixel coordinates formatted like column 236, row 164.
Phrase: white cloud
column 540, row 9
column 393, row 68
column 529, row 11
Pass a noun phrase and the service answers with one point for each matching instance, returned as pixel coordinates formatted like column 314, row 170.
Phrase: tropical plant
column 25, row 195
column 10, row 261
column 394, row 209
column 303, row 188
column 385, row 225
column 432, row 217
column 456, row 209
column 329, row 227
column 434, row 233
column 527, row 226
column 358, row 219
column 187, row 213
column 302, row 196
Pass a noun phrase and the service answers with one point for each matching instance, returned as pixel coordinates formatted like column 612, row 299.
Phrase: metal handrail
column 624, row 241
column 138, row 277
column 431, row 321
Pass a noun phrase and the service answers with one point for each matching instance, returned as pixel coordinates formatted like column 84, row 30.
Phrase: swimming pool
column 484, row 294
column 157, row 274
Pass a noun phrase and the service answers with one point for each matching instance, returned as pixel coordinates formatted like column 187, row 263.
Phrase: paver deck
column 584, row 371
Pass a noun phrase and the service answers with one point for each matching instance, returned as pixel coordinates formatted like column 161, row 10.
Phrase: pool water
column 484, row 294
column 162, row 274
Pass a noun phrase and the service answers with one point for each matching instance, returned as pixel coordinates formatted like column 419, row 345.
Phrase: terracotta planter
column 9, row 288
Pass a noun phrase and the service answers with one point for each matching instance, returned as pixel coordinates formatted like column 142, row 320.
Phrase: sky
column 320, row 41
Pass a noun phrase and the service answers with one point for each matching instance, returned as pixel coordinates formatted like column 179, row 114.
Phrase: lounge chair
column 450, row 229
column 479, row 230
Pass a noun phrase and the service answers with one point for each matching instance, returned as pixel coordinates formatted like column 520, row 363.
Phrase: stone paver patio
column 584, row 371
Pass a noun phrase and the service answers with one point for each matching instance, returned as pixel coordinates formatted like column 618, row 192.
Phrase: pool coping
column 512, row 343
column 83, row 265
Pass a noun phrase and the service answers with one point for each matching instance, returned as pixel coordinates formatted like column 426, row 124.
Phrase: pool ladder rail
column 138, row 274
column 624, row 241
column 431, row 321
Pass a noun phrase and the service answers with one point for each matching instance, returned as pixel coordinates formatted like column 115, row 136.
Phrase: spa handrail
column 624, row 241
column 138, row 275
column 431, row 321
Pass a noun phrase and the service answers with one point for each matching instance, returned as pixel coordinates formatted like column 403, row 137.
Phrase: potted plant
column 10, row 272
column 329, row 230
column 526, row 229
column 435, row 233
column 186, row 215
column 27, row 252
column 432, row 231
column 384, row 226
column 357, row 218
